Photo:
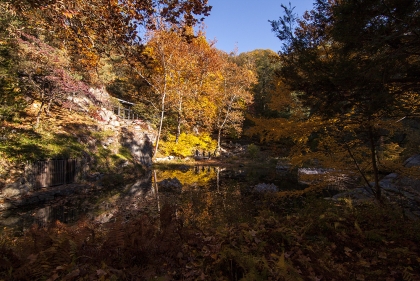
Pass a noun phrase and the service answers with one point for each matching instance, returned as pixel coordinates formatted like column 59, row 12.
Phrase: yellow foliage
column 187, row 144
column 190, row 178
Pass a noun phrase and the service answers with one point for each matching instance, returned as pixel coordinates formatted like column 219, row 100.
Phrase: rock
column 313, row 171
column 358, row 194
column 413, row 161
column 10, row 221
column 114, row 123
column 106, row 115
column 10, row 192
column 5, row 206
column 161, row 159
column 170, row 185
column 263, row 187
column 282, row 166
column 387, row 183
column 93, row 177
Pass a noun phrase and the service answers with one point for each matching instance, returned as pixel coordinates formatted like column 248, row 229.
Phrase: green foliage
column 187, row 144
column 11, row 101
column 343, row 59
column 146, row 112
column 252, row 151
column 102, row 135
column 124, row 153
column 113, row 180
column 266, row 65
column 22, row 145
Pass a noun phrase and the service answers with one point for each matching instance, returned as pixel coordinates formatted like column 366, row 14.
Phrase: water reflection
column 200, row 194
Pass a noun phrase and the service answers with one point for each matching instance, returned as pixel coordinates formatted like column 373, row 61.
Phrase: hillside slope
column 87, row 130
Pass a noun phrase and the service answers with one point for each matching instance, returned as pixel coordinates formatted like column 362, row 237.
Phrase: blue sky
column 244, row 23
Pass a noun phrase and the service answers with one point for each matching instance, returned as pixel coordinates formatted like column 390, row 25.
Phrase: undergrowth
column 187, row 145
column 321, row 241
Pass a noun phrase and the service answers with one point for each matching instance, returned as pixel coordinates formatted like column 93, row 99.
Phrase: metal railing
column 125, row 112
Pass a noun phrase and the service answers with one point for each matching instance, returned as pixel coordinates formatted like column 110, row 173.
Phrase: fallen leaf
column 382, row 255
column 281, row 263
column 32, row 258
column 54, row 277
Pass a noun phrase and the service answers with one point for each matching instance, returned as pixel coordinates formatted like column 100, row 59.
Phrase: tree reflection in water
column 206, row 195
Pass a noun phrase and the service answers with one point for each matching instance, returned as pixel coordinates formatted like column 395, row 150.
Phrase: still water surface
column 197, row 194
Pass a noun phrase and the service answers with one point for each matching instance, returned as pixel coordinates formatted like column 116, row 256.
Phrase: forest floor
column 314, row 240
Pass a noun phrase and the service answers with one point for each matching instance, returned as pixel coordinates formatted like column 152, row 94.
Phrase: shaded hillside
column 88, row 130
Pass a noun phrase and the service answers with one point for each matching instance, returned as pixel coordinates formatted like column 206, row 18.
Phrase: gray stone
column 413, row 161
column 282, row 166
column 355, row 194
column 170, row 185
column 115, row 123
column 263, row 187
column 105, row 114
column 10, row 221
column 387, row 183
column 10, row 192
column 5, row 206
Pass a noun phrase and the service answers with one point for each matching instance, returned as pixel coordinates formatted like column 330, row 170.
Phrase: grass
column 62, row 134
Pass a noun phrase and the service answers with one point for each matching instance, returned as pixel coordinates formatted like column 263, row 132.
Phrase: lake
column 196, row 194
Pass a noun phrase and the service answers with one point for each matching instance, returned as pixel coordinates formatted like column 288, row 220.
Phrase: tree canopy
column 354, row 66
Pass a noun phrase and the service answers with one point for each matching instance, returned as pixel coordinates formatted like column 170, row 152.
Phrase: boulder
column 263, row 187
column 106, row 115
column 170, row 185
column 413, row 161
column 114, row 123
column 358, row 194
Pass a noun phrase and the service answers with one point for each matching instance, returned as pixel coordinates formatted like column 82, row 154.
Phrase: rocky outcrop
column 109, row 131
column 401, row 189
column 136, row 135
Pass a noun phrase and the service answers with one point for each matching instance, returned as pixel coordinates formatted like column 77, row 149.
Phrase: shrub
column 187, row 144
column 253, row 150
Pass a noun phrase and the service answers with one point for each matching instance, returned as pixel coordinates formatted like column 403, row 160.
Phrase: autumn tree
column 32, row 69
column 161, row 51
column 266, row 63
column 44, row 71
column 355, row 66
column 195, row 85
column 233, row 96
column 181, row 71
column 10, row 98
column 94, row 28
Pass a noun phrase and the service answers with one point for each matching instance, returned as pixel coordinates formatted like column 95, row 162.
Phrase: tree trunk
column 219, row 133
column 377, row 189
column 38, row 116
column 162, row 115
column 178, row 127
